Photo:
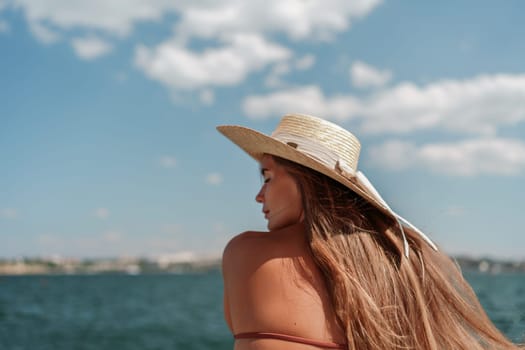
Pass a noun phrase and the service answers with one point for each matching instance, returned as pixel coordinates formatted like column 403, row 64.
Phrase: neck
column 296, row 229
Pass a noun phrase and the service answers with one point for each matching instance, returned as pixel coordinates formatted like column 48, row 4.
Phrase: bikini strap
column 290, row 338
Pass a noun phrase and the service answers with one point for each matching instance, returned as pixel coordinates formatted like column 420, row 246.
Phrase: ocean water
column 503, row 298
column 113, row 312
column 165, row 311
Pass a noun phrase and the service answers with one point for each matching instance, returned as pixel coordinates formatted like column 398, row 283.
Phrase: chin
column 273, row 227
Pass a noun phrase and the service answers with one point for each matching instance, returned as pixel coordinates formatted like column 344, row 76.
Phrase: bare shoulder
column 271, row 284
column 255, row 250
column 244, row 249
column 243, row 239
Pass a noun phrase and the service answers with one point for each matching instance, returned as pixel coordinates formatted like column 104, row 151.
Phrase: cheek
column 297, row 202
column 295, row 198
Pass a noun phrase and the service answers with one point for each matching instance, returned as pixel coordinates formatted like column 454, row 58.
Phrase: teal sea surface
column 167, row 311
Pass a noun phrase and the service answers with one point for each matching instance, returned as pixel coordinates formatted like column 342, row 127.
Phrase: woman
column 338, row 268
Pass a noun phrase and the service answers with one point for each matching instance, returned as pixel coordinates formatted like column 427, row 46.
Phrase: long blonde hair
column 382, row 299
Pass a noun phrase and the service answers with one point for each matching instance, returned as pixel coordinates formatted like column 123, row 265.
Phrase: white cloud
column 207, row 97
column 492, row 156
column 90, row 47
column 298, row 19
column 279, row 70
column 116, row 17
column 241, row 27
column 168, row 162
column 44, row 34
column 305, row 62
column 479, row 105
column 4, row 26
column 8, row 213
column 308, row 99
column 366, row 76
column 205, row 19
column 394, row 154
column 180, row 68
column 214, row 179
column 274, row 79
column 102, row 213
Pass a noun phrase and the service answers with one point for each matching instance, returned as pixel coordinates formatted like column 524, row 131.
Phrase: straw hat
column 319, row 145
column 310, row 141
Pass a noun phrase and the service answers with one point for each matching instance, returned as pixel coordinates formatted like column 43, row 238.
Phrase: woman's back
column 273, row 285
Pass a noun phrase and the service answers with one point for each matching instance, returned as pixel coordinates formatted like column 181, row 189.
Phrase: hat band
column 331, row 159
column 318, row 152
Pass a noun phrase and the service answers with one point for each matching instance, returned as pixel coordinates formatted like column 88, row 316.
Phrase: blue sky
column 107, row 122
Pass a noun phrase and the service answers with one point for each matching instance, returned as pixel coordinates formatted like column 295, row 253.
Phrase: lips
column 265, row 212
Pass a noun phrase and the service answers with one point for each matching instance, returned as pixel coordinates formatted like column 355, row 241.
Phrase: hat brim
column 257, row 144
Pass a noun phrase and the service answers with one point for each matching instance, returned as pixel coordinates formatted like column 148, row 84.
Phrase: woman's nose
column 260, row 196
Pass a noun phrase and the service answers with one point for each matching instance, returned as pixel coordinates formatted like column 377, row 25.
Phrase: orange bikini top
column 290, row 338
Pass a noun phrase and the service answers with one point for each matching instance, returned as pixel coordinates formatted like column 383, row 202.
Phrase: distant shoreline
column 129, row 266
column 135, row 266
